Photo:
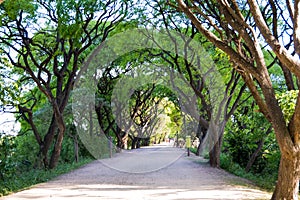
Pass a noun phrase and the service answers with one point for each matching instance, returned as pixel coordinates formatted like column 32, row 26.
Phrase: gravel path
column 159, row 172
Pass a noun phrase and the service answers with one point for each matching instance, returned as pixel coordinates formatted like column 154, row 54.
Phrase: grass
column 35, row 176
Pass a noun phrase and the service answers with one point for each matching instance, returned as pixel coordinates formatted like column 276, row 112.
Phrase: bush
column 263, row 180
column 7, row 150
column 193, row 150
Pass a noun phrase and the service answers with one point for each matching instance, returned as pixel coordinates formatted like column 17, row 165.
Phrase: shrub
column 35, row 176
column 263, row 180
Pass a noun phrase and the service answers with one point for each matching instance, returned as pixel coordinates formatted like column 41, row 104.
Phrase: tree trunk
column 58, row 144
column 120, row 144
column 76, row 149
column 134, row 142
column 214, row 155
column 201, row 134
column 138, row 143
column 122, row 137
column 125, row 140
column 198, row 149
column 48, row 139
column 287, row 186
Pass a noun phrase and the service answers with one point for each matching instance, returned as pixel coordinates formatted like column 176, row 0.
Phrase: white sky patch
column 8, row 125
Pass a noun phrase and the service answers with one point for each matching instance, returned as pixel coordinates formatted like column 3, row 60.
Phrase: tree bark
column 48, row 139
column 125, row 140
column 58, row 144
column 201, row 134
column 214, row 154
column 287, row 186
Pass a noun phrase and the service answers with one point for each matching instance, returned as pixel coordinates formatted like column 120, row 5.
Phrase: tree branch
column 286, row 58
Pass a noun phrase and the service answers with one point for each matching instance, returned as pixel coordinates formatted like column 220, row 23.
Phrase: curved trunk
column 287, row 186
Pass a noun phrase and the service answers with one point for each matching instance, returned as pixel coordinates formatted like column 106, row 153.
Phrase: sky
column 8, row 124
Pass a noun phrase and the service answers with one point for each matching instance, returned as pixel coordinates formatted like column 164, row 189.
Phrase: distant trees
column 163, row 15
column 130, row 107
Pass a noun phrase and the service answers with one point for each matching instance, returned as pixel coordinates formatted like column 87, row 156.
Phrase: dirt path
column 159, row 172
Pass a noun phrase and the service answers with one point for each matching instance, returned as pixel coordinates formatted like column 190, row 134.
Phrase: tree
column 105, row 117
column 241, row 29
column 144, row 112
column 113, row 120
column 46, row 42
column 163, row 16
column 136, row 99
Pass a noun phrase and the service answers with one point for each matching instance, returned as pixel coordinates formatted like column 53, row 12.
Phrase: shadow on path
column 159, row 172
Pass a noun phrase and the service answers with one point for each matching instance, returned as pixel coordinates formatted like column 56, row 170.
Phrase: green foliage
column 175, row 119
column 287, row 102
column 193, row 150
column 263, row 180
column 13, row 7
column 27, row 151
column 34, row 176
column 19, row 156
column 10, row 88
column 7, row 150
column 243, row 133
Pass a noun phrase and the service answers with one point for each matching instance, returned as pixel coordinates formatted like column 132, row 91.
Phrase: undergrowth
column 265, row 180
column 35, row 176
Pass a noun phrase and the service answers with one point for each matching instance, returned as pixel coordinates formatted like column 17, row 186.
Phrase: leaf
column 287, row 102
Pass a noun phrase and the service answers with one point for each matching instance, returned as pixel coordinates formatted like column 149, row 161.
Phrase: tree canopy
column 254, row 45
